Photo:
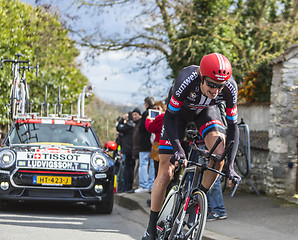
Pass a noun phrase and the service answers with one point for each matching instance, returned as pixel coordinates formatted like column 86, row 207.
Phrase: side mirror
column 111, row 146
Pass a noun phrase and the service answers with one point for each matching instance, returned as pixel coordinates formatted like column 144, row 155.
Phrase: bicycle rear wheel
column 242, row 160
column 190, row 224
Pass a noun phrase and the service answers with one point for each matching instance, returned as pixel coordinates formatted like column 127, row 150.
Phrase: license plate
column 52, row 180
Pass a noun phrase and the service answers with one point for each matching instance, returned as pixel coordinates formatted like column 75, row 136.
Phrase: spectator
column 146, row 168
column 136, row 141
column 154, row 126
column 126, row 126
column 216, row 209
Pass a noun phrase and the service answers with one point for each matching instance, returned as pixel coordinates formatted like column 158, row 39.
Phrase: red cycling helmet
column 216, row 66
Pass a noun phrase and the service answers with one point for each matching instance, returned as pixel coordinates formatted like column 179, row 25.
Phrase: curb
column 133, row 201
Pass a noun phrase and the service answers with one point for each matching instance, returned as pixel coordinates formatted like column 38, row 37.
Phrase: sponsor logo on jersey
column 174, row 104
column 233, row 91
column 192, row 95
column 213, row 124
column 165, row 144
column 232, row 113
column 186, row 82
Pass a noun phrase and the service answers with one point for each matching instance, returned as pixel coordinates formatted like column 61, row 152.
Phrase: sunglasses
column 214, row 85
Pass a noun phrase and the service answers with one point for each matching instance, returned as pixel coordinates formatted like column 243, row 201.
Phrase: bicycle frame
column 184, row 195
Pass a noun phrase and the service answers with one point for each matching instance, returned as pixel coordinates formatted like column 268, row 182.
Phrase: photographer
column 126, row 127
column 154, row 126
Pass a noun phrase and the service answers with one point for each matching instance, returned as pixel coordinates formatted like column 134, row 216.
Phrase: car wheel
column 105, row 207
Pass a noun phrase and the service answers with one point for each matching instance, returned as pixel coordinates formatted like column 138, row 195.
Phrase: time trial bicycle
column 184, row 211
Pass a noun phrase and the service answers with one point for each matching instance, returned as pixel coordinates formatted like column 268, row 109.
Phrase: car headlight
column 7, row 158
column 99, row 162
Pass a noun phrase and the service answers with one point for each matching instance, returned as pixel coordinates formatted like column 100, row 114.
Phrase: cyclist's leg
column 211, row 127
column 210, row 177
column 164, row 176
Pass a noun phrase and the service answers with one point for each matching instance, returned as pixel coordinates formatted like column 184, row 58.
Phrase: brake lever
column 236, row 185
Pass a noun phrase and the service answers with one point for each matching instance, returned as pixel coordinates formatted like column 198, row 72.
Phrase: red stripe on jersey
column 232, row 111
column 165, row 143
column 175, row 103
column 215, row 121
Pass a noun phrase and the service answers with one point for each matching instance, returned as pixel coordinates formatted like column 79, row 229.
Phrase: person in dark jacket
column 126, row 126
column 136, row 144
column 146, row 168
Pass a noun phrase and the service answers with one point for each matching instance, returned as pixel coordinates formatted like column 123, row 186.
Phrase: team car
column 56, row 158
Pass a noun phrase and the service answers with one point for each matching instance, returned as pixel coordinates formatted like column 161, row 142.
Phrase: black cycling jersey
column 187, row 103
column 186, row 93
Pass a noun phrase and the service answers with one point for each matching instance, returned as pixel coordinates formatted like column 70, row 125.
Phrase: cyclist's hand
column 178, row 158
column 234, row 178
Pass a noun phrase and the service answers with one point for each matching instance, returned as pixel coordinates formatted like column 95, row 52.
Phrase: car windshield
column 29, row 133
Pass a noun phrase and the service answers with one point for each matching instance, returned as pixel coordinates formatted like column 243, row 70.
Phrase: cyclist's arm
column 232, row 135
column 230, row 95
column 178, row 93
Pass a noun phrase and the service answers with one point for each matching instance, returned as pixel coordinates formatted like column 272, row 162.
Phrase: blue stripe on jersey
column 173, row 108
column 165, row 147
column 232, row 118
column 211, row 126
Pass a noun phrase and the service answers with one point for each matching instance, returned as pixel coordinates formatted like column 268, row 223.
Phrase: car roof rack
column 79, row 117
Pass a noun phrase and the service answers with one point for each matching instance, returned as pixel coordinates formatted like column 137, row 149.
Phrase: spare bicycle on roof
column 19, row 93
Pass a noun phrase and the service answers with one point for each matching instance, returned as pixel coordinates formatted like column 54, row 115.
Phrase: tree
column 40, row 37
column 250, row 33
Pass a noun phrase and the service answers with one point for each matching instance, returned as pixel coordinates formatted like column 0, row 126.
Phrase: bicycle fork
column 181, row 222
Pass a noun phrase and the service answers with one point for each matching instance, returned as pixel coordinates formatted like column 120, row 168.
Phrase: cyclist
column 193, row 98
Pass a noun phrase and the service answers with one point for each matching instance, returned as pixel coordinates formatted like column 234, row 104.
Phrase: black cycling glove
column 232, row 175
column 178, row 152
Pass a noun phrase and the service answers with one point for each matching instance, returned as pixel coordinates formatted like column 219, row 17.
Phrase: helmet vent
column 224, row 71
column 213, row 72
column 219, row 71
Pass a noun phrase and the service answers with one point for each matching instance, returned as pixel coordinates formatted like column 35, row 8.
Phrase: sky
column 108, row 73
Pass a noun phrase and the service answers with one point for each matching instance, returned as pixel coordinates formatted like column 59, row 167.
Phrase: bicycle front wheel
column 190, row 224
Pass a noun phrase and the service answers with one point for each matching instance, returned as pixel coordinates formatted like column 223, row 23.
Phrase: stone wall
column 274, row 167
column 283, row 125
column 255, row 115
